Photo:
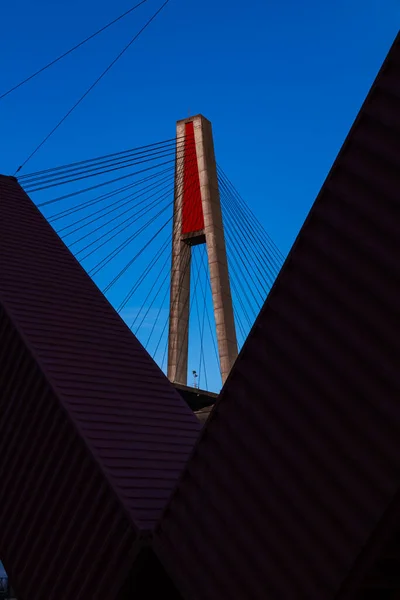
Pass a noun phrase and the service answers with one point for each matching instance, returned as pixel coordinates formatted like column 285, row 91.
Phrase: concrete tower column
column 216, row 249
column 198, row 220
column 178, row 336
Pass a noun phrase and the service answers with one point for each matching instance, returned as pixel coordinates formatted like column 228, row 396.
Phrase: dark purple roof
column 92, row 434
column 289, row 491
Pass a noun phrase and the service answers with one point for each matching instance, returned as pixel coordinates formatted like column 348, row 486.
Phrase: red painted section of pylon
column 192, row 210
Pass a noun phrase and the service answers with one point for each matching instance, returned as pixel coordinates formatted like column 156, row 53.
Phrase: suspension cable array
column 116, row 216
column 254, row 260
column 94, row 84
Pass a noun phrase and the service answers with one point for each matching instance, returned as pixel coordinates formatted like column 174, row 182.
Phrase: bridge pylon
column 198, row 220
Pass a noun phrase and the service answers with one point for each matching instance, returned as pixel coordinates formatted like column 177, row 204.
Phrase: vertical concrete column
column 178, row 336
column 215, row 241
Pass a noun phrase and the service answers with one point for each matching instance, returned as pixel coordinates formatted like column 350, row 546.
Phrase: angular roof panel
column 289, row 491
column 92, row 435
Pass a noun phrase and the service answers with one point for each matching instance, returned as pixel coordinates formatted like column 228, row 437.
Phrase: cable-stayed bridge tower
column 198, row 220
column 156, row 227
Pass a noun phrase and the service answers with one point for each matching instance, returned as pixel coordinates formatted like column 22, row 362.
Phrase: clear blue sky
column 281, row 82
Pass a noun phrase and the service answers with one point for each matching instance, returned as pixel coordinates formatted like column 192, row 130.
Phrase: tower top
column 194, row 118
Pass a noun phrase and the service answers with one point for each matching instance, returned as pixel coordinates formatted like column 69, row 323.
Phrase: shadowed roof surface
column 294, row 485
column 92, row 435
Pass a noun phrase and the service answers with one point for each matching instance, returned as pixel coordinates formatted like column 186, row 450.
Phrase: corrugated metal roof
column 92, row 434
column 296, row 477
